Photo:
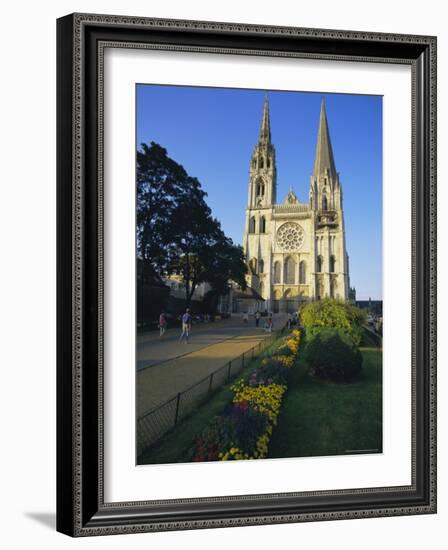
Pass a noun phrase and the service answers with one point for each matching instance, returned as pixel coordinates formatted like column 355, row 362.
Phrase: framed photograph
column 246, row 274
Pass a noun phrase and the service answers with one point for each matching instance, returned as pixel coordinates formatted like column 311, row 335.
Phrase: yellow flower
column 265, row 399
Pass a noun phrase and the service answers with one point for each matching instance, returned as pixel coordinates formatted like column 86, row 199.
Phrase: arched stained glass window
column 302, row 272
column 320, row 264
column 253, row 265
column 252, row 225
column 277, row 274
column 289, row 269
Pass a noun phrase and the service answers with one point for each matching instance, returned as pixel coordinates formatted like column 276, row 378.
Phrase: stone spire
column 324, row 153
column 263, row 172
column 265, row 132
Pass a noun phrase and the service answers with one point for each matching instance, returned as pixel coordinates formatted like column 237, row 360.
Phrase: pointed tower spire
column 263, row 172
column 265, row 132
column 324, row 152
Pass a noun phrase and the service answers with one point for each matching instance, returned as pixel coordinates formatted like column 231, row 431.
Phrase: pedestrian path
column 164, row 380
column 198, row 328
column 153, row 350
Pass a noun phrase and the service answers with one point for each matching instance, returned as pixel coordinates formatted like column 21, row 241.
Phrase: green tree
column 227, row 264
column 203, row 252
column 161, row 184
column 176, row 232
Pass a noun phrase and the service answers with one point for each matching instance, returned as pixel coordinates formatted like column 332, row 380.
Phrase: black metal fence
column 152, row 425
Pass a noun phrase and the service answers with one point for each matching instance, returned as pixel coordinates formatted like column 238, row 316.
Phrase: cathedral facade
column 295, row 250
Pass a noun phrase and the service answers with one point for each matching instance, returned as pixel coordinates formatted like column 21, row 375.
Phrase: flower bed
column 244, row 429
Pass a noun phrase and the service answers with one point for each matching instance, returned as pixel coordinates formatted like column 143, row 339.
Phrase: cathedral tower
column 325, row 188
column 262, row 197
column 331, row 262
column 263, row 172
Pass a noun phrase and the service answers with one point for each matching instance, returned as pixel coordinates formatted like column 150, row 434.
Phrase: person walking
column 186, row 326
column 271, row 322
column 289, row 321
column 162, row 323
column 257, row 319
column 246, row 318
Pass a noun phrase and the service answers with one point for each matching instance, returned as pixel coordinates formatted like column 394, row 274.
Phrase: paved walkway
column 152, row 350
column 166, row 367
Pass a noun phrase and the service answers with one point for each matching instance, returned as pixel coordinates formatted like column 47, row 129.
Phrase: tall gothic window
column 261, row 266
column 252, row 225
column 332, row 264
column 277, row 268
column 261, row 162
column 289, row 271
column 320, row 263
column 253, row 265
column 263, row 225
column 324, row 203
column 302, row 272
column 332, row 287
column 320, row 289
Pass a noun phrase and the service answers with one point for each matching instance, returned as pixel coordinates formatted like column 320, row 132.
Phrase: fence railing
column 152, row 425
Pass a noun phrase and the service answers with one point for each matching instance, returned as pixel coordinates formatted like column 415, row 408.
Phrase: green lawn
column 174, row 446
column 323, row 418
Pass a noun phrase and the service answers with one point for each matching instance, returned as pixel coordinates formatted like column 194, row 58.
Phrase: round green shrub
column 332, row 355
column 331, row 313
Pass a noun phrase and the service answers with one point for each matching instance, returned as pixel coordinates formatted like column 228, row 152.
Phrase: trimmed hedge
column 332, row 355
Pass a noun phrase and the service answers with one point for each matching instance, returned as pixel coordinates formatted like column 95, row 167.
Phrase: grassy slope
column 176, row 443
column 322, row 418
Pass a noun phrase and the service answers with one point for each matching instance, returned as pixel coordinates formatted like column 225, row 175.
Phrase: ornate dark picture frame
column 81, row 509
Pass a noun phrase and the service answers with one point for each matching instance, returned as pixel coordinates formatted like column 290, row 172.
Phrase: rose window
column 290, row 236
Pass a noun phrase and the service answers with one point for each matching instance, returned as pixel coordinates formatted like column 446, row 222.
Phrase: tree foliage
column 331, row 313
column 176, row 232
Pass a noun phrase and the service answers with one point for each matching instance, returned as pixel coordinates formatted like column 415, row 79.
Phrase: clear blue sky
column 212, row 132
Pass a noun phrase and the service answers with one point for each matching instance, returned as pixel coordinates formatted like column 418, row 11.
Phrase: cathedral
column 295, row 250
